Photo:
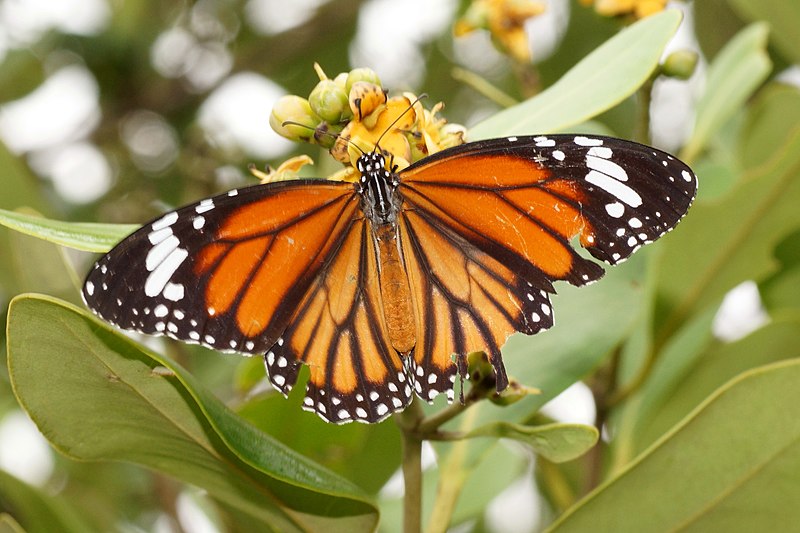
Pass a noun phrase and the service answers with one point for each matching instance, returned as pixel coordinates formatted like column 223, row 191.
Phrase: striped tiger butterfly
column 383, row 286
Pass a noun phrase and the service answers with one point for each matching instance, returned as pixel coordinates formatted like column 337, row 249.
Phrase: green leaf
column 96, row 395
column 733, row 76
column 600, row 81
column 590, row 322
column 731, row 465
column 555, row 442
column 774, row 342
column 724, row 243
column 86, row 236
column 366, row 454
column 774, row 111
column 34, row 511
column 783, row 18
column 9, row 525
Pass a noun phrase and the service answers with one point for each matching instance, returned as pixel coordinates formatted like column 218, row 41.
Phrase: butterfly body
column 383, row 286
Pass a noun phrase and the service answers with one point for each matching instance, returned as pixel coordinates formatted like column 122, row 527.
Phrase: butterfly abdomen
column 395, row 291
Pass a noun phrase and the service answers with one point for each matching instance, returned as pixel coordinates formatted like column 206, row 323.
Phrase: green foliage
column 701, row 432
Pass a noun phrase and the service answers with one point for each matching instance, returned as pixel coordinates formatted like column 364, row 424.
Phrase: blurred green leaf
column 732, row 465
column 106, row 400
column 35, row 511
column 774, row 342
column 590, row 322
column 783, row 18
column 600, row 81
column 9, row 525
column 724, row 243
column 555, row 442
column 19, row 183
column 733, row 76
column 782, row 290
column 774, row 111
column 366, row 454
column 86, row 236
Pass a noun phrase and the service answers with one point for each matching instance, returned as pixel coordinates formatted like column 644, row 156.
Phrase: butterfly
column 381, row 287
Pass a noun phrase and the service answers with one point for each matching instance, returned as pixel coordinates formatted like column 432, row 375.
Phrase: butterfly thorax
column 377, row 187
column 380, row 203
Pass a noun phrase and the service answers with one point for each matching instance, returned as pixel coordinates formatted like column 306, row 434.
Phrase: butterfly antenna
column 323, row 132
column 395, row 121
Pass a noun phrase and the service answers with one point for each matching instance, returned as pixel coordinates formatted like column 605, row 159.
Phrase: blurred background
column 116, row 110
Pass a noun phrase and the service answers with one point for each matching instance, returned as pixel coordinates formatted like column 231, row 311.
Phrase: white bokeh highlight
column 270, row 17
column 575, row 405
column 517, row 509
column 24, row 452
column 64, row 108
column 26, row 21
column 390, row 34
column 235, row 116
column 740, row 313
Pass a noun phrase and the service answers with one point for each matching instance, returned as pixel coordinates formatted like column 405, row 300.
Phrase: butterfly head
column 377, row 187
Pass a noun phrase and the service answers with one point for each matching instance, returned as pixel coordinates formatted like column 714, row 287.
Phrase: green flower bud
column 341, row 81
column 291, row 108
column 680, row 64
column 361, row 74
column 513, row 393
column 329, row 101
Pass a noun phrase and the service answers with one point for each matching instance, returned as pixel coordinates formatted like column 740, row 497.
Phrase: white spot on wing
column 159, row 277
column 89, row 288
column 615, row 209
column 607, row 167
column 156, row 237
column 159, row 252
column 205, row 205
column 600, row 151
column 586, row 141
column 615, row 188
column 165, row 221
column 198, row 222
column 173, row 291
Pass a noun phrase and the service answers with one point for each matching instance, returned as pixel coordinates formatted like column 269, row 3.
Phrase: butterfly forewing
column 534, row 194
column 225, row 272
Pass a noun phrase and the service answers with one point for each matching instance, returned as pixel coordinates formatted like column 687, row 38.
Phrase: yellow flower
column 432, row 133
column 505, row 20
column 364, row 134
column 286, row 171
column 637, row 8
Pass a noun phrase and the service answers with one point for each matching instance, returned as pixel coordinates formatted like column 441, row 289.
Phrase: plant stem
column 482, row 86
column 408, row 422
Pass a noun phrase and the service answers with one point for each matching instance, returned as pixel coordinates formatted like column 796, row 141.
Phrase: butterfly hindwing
column 339, row 331
column 226, row 272
column 464, row 301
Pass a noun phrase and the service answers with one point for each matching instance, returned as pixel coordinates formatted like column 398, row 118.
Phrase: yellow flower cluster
column 637, row 8
column 353, row 113
column 505, row 20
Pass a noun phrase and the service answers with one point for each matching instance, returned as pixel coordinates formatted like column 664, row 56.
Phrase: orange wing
column 227, row 272
column 340, row 332
column 488, row 226
column 464, row 301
